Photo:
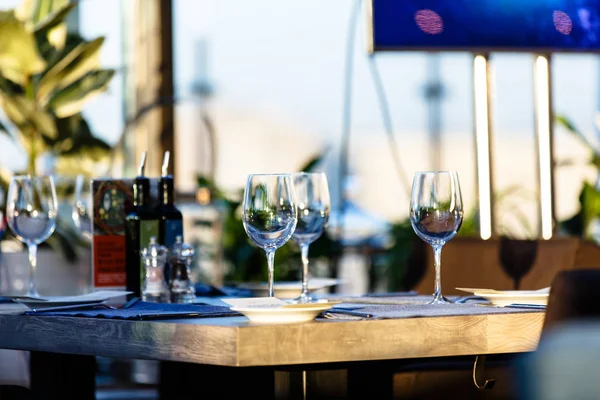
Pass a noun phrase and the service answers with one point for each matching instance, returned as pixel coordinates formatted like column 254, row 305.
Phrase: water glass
column 269, row 214
column 311, row 192
column 436, row 214
column 31, row 210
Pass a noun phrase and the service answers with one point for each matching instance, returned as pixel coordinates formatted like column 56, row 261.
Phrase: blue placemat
column 145, row 311
column 6, row 300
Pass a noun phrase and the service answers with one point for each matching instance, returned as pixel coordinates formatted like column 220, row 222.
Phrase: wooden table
column 218, row 344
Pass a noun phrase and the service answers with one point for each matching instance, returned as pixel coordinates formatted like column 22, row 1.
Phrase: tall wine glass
column 31, row 209
column 82, row 207
column 436, row 214
column 311, row 193
column 269, row 214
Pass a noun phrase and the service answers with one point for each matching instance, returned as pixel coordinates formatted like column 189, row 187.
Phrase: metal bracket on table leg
column 477, row 371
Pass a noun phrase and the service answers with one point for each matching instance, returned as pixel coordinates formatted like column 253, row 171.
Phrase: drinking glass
column 269, row 214
column 436, row 213
column 82, row 207
column 311, row 193
column 31, row 209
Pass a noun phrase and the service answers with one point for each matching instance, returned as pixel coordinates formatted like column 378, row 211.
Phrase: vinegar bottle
column 141, row 224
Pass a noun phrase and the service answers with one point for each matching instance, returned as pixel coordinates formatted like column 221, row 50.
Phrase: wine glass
column 82, row 207
column 269, row 214
column 31, row 209
column 311, row 193
column 436, row 214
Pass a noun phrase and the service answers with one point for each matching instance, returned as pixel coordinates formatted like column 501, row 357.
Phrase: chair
column 566, row 362
column 574, row 295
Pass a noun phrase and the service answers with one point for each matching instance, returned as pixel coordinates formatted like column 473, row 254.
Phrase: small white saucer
column 503, row 298
column 288, row 313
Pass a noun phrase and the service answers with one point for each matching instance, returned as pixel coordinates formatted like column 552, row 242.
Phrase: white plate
column 287, row 314
column 507, row 297
column 88, row 298
column 287, row 290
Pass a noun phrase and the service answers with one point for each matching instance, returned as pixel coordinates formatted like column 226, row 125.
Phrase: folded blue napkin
column 5, row 300
column 142, row 310
column 205, row 290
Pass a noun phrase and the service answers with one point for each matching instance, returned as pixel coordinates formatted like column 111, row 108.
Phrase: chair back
column 574, row 295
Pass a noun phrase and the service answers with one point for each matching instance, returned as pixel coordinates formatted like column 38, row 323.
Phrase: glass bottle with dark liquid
column 141, row 224
column 171, row 219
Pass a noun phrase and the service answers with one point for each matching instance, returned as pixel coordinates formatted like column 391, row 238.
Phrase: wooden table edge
column 237, row 343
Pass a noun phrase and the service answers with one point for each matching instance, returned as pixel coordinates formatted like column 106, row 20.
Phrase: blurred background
column 233, row 87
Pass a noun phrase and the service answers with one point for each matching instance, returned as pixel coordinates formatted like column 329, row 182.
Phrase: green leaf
column 54, row 26
column 19, row 56
column 71, row 99
column 24, row 114
column 312, row 163
column 24, row 11
column 7, row 15
column 80, row 60
column 570, row 127
column 590, row 204
column 44, row 8
column 75, row 138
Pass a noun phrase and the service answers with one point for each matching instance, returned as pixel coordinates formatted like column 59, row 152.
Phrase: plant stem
column 31, row 169
column 29, row 132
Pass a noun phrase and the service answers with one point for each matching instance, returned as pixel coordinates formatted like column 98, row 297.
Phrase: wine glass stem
column 304, row 256
column 271, row 266
column 32, row 266
column 437, row 263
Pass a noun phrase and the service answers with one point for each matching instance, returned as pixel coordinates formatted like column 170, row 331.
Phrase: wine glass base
column 304, row 298
column 439, row 300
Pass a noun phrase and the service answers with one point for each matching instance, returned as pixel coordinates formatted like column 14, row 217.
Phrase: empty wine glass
column 436, row 214
column 31, row 209
column 82, row 207
column 269, row 214
column 311, row 193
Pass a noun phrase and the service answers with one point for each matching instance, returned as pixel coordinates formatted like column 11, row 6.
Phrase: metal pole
column 545, row 133
column 433, row 96
column 483, row 144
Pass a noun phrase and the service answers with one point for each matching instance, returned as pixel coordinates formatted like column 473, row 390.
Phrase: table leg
column 62, row 376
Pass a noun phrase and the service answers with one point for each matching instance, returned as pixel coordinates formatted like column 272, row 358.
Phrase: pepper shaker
column 154, row 287
column 181, row 286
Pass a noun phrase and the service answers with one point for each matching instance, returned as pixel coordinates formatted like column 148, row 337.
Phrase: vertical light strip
column 544, row 141
column 482, row 138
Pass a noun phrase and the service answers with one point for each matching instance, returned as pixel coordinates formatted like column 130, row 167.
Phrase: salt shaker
column 154, row 257
column 180, row 285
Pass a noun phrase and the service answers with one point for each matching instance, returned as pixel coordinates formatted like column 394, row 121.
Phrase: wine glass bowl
column 32, row 209
column 269, row 214
column 311, row 192
column 436, row 214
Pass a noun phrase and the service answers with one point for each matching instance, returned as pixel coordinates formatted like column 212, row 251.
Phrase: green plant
column 589, row 197
column 47, row 75
column 511, row 219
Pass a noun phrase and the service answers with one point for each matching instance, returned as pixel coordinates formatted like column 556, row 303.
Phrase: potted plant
column 47, row 76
